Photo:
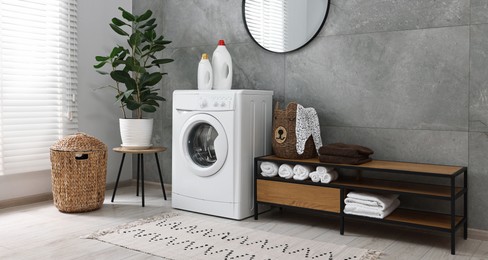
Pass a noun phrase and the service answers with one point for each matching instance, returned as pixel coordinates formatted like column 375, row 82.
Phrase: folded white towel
column 301, row 172
column 314, row 176
column 360, row 210
column 324, row 169
column 269, row 169
column 329, row 176
column 381, row 201
column 285, row 171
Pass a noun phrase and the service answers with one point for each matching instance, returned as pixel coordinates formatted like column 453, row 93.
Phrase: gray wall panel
column 359, row 16
column 404, row 77
column 479, row 11
column 478, row 117
column 392, row 79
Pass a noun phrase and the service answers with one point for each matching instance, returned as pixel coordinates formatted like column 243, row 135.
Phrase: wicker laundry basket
column 284, row 134
column 79, row 169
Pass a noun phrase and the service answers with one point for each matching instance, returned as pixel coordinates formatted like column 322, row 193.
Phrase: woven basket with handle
column 78, row 171
column 284, row 136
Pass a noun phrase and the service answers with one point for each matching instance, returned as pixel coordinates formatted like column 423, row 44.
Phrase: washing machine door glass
column 204, row 144
column 201, row 144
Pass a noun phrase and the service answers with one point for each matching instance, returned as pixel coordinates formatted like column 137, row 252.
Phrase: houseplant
column 136, row 70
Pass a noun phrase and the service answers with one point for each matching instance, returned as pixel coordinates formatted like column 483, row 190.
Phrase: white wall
column 98, row 114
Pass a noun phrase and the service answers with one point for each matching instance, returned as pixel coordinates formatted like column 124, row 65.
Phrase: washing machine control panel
column 205, row 101
column 215, row 102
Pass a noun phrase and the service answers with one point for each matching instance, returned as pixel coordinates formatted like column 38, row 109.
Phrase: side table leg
column 118, row 176
column 138, row 176
column 160, row 175
column 142, row 178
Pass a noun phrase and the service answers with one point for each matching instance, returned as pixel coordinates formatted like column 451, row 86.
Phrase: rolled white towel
column 301, row 172
column 324, row 169
column 314, row 176
column 329, row 176
column 381, row 201
column 366, row 211
column 269, row 169
column 285, row 171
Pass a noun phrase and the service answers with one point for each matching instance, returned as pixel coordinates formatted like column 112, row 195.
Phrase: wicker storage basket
column 284, row 136
column 79, row 169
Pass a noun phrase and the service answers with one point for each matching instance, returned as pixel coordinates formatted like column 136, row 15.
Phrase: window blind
column 266, row 21
column 38, row 80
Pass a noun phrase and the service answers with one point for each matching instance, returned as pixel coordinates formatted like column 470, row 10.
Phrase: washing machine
column 216, row 135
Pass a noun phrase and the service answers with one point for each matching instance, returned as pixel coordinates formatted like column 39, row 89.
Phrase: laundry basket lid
column 79, row 142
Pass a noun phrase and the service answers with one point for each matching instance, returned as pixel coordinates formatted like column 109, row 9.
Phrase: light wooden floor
column 40, row 231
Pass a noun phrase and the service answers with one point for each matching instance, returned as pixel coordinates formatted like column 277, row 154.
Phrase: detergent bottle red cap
column 221, row 42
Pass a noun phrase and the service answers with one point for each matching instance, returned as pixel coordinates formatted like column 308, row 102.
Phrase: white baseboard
column 25, row 200
column 49, row 196
column 478, row 234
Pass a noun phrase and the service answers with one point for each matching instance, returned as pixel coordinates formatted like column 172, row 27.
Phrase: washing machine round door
column 204, row 144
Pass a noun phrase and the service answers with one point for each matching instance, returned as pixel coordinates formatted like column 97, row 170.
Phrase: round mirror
column 284, row 25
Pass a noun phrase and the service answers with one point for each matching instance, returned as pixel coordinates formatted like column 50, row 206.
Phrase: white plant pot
column 136, row 133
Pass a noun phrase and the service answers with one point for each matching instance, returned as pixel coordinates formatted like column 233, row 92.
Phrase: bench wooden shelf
column 329, row 198
column 436, row 191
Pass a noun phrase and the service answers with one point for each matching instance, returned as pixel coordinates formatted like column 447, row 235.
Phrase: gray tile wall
column 408, row 78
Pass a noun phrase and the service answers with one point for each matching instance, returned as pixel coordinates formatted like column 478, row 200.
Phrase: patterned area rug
column 177, row 236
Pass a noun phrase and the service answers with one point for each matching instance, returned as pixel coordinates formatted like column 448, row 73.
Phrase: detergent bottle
column 222, row 67
column 205, row 74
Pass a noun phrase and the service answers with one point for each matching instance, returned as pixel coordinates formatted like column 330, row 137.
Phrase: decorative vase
column 136, row 133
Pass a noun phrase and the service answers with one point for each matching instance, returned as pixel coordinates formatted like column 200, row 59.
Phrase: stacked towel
column 285, row 171
column 324, row 174
column 301, row 172
column 344, row 154
column 269, row 169
column 370, row 204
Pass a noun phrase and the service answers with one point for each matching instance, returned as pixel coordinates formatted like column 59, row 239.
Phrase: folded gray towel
column 343, row 160
column 345, row 150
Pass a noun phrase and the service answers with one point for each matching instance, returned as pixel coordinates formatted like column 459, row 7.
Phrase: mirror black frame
column 303, row 45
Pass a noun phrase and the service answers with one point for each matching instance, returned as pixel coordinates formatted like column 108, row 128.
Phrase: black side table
column 140, row 165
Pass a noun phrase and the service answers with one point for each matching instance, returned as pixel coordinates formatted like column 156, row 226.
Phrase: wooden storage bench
column 329, row 198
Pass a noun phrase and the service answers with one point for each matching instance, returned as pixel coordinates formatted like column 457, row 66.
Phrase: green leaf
column 118, row 62
column 119, row 97
column 120, row 76
column 102, row 72
column 128, row 93
column 162, row 61
column 99, row 65
column 151, row 27
column 101, row 58
column 152, row 79
column 162, row 42
column 118, row 30
column 131, row 84
column 135, row 39
column 118, row 22
column 144, row 16
column 132, row 105
column 148, row 108
column 151, row 102
column 145, row 48
column 157, row 48
column 159, row 98
column 128, row 16
column 148, row 23
column 116, row 51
